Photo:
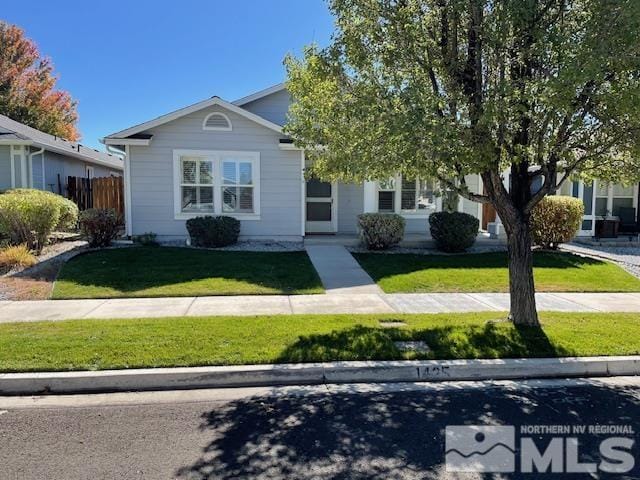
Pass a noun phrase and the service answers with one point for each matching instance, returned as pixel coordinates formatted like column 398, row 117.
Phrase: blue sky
column 129, row 61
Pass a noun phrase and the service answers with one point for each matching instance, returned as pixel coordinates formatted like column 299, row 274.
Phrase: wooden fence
column 105, row 192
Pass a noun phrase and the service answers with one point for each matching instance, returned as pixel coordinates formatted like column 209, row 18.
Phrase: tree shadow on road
column 386, row 435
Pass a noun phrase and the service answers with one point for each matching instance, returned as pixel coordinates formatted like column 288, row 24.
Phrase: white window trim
column 397, row 201
column 217, row 157
column 219, row 129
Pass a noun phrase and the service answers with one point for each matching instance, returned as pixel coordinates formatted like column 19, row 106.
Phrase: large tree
column 27, row 87
column 450, row 88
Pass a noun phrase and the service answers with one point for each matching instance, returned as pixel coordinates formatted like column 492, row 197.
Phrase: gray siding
column 273, row 107
column 5, row 167
column 152, row 184
column 56, row 164
column 350, row 205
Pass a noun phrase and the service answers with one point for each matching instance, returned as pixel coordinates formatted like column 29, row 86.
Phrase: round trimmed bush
column 379, row 231
column 211, row 232
column 453, row 231
column 555, row 220
column 29, row 216
column 100, row 226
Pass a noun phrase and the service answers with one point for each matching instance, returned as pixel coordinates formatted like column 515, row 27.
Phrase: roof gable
column 214, row 101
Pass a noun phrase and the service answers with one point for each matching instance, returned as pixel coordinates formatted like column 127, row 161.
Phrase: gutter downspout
column 127, row 185
column 31, row 155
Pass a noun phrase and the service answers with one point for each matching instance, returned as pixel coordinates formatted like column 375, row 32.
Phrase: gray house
column 30, row 158
column 231, row 158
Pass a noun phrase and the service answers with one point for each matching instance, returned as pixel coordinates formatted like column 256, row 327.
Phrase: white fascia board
column 259, row 95
column 126, row 141
column 194, row 108
column 16, row 142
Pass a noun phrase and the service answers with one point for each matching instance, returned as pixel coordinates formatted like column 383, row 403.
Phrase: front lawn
column 168, row 342
column 170, row 271
column 487, row 272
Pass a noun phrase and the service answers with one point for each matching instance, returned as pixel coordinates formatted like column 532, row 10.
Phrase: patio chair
column 628, row 220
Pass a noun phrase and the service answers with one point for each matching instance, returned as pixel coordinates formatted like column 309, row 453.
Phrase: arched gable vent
column 217, row 121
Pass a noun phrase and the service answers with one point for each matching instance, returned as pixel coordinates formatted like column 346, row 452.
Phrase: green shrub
column 16, row 256
column 453, row 231
column 29, row 216
column 100, row 226
column 213, row 231
column 68, row 215
column 555, row 220
column 379, row 231
column 148, row 239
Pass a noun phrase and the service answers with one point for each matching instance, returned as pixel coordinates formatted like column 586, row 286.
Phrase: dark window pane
column 318, row 189
column 601, row 206
column 574, row 189
column 386, row 201
column 619, row 203
column 408, row 194
column 318, row 211
column 587, row 224
column 587, row 198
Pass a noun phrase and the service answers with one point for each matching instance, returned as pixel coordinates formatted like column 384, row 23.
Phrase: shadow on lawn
column 133, row 269
column 397, row 264
column 490, row 340
column 385, row 434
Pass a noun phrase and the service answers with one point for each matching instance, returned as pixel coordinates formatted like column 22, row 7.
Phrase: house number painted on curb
column 436, row 371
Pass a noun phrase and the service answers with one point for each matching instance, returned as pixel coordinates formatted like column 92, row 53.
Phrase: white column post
column 127, row 191
column 370, row 204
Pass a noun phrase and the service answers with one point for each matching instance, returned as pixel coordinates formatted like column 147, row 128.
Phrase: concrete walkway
column 339, row 271
column 30, row 311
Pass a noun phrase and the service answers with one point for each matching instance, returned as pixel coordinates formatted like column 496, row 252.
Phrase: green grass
column 487, row 272
column 167, row 272
column 104, row 344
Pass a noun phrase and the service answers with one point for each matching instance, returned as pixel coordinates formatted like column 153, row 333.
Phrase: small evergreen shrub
column 100, row 226
column 453, row 231
column 16, row 256
column 29, row 216
column 148, row 239
column 555, row 220
column 212, row 232
column 379, row 231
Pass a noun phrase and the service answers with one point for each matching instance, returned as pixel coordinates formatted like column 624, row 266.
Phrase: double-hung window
column 216, row 183
column 406, row 196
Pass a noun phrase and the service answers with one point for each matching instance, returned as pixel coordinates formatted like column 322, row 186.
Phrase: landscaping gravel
column 251, row 246
column 627, row 257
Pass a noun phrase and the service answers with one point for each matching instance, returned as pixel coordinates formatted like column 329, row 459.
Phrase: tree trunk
column 521, row 287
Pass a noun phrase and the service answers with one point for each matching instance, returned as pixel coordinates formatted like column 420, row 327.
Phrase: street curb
column 314, row 373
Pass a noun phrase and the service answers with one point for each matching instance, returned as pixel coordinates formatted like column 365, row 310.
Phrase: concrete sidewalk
column 29, row 311
column 339, row 272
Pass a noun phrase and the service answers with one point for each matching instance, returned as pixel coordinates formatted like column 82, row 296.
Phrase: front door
column 320, row 207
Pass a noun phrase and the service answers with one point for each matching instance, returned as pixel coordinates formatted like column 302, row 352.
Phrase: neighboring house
column 30, row 158
column 231, row 158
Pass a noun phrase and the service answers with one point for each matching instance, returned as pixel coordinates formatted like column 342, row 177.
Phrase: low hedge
column 555, row 220
column 453, row 231
column 379, row 231
column 211, row 232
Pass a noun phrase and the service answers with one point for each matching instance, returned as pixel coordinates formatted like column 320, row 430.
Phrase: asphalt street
column 349, row 431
